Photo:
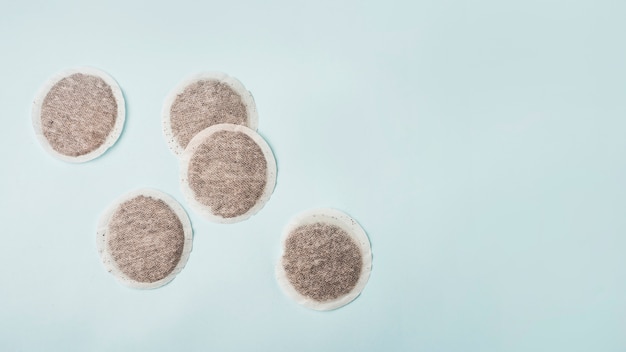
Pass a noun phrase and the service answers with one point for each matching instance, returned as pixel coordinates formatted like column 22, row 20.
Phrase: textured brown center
column 145, row 239
column 203, row 104
column 78, row 114
column 322, row 261
column 228, row 173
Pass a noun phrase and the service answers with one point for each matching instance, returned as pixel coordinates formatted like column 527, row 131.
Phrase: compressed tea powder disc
column 228, row 173
column 144, row 239
column 78, row 114
column 204, row 100
column 326, row 259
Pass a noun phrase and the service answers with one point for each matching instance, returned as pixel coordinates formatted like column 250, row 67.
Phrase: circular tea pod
column 326, row 259
column 78, row 114
column 228, row 173
column 204, row 100
column 144, row 239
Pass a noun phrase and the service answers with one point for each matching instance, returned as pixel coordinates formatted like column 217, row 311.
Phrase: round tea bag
column 78, row 114
column 144, row 239
column 204, row 100
column 228, row 173
column 326, row 259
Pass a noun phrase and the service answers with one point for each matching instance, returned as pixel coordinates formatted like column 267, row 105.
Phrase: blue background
column 481, row 144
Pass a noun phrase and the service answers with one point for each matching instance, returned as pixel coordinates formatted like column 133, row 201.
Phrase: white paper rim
column 354, row 230
column 232, row 82
column 114, row 134
column 110, row 264
column 189, row 194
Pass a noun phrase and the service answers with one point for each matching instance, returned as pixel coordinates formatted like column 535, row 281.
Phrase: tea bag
column 228, row 173
column 326, row 259
column 144, row 239
column 204, row 100
column 78, row 114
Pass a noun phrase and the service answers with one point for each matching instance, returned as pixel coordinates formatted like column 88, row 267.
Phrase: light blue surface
column 481, row 144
